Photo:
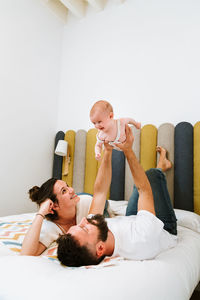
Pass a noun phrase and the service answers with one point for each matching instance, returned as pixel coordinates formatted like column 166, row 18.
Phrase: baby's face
column 101, row 120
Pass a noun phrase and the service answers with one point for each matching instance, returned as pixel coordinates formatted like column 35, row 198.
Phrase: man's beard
column 99, row 221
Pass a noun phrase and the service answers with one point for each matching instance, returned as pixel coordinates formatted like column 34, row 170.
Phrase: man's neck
column 110, row 244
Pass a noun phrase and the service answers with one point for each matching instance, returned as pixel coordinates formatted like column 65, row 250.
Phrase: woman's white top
column 50, row 231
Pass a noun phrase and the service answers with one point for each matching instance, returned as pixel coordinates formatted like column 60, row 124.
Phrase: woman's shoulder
column 85, row 200
column 83, row 206
column 49, row 232
column 48, row 225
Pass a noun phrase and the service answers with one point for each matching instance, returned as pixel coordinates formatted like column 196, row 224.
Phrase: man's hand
column 128, row 143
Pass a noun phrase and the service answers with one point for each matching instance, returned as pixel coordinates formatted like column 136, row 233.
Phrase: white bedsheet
column 173, row 275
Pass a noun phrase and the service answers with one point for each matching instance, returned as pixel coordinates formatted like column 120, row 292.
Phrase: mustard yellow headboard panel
column 91, row 164
column 70, row 138
column 148, row 147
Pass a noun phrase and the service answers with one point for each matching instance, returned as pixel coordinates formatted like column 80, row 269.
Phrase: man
column 137, row 237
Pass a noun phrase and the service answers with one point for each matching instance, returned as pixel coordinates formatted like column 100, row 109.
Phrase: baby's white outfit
column 116, row 141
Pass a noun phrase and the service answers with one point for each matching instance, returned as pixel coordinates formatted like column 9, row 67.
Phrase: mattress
column 172, row 275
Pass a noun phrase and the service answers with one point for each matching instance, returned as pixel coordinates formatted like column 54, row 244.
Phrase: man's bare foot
column 163, row 163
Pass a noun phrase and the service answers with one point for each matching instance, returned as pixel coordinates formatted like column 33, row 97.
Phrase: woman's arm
column 98, row 148
column 102, row 182
column 31, row 244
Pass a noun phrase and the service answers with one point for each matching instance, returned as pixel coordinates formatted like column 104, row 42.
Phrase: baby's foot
column 163, row 163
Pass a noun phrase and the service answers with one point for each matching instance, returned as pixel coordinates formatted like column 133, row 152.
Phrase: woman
column 60, row 207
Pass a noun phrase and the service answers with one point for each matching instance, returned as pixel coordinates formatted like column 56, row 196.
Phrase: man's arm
column 141, row 181
column 102, row 182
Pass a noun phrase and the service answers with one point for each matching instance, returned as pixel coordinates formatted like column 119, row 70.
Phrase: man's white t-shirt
column 50, row 231
column 140, row 236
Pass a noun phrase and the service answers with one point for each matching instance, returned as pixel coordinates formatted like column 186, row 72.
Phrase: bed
column 173, row 274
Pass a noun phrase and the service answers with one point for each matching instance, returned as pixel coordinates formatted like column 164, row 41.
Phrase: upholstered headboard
column 182, row 142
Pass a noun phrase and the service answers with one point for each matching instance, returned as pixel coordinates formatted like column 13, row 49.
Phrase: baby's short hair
column 102, row 105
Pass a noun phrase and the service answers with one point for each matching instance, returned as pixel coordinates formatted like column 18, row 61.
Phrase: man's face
column 90, row 230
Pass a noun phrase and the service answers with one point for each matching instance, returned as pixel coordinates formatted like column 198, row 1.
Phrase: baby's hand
column 98, row 156
column 46, row 207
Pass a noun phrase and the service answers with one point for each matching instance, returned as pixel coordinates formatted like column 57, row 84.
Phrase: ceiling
column 78, row 8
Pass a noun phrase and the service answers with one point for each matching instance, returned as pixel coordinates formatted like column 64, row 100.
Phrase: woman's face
column 65, row 195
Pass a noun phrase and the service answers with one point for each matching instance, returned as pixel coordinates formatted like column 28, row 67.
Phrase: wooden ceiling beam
column 77, row 7
column 97, row 4
column 57, row 8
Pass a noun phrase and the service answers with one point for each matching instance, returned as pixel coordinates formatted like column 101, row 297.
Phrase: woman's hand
column 108, row 147
column 46, row 207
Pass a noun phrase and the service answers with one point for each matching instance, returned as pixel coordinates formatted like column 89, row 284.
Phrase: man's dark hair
column 99, row 221
column 72, row 254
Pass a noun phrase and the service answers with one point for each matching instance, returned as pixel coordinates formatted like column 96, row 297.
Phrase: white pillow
column 185, row 218
column 188, row 219
column 117, row 207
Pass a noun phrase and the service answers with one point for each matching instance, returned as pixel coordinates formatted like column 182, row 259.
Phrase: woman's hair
column 40, row 194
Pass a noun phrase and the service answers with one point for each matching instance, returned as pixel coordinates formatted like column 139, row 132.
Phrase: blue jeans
column 163, row 206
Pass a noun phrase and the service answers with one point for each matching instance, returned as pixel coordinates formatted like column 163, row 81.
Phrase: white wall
column 30, row 38
column 142, row 56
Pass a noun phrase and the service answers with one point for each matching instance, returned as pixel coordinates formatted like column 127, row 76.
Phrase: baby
column 109, row 129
